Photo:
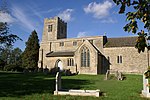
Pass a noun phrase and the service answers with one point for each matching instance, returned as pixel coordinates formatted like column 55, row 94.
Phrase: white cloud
column 99, row 10
column 66, row 15
column 109, row 20
column 82, row 34
column 6, row 17
column 22, row 19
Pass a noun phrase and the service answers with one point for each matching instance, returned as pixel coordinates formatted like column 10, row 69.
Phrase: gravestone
column 58, row 81
column 145, row 90
column 118, row 75
column 60, row 91
column 25, row 71
column 46, row 70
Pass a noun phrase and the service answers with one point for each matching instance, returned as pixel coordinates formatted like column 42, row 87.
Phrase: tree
column 10, row 59
column 31, row 53
column 5, row 56
column 5, row 37
column 140, row 11
column 16, row 57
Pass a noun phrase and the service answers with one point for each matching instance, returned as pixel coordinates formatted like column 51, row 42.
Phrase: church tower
column 54, row 28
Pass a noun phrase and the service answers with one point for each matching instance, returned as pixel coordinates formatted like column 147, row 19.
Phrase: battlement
column 56, row 18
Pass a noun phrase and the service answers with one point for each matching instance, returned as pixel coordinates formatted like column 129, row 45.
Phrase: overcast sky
column 84, row 17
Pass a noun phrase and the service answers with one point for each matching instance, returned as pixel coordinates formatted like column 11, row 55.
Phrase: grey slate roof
column 60, row 54
column 121, row 42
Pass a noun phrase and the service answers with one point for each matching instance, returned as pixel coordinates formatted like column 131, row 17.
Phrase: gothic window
column 70, row 62
column 119, row 59
column 74, row 43
column 61, row 44
column 85, row 57
column 50, row 28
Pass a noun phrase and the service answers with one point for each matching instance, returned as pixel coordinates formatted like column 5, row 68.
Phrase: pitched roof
column 60, row 54
column 121, row 42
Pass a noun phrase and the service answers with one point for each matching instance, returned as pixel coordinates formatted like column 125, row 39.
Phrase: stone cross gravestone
column 58, row 81
column 145, row 90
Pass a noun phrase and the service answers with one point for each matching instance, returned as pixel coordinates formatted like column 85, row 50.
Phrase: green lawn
column 18, row 86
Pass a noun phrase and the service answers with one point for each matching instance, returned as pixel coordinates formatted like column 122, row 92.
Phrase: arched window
column 85, row 57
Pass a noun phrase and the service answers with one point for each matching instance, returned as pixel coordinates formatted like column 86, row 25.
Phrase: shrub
column 13, row 67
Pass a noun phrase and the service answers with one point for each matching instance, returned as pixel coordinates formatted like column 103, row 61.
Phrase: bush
column 2, row 64
column 46, row 70
column 40, row 70
column 54, row 70
column 13, row 67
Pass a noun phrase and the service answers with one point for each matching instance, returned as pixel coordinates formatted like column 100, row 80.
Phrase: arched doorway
column 59, row 64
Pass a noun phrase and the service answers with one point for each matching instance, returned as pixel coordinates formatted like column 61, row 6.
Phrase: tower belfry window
column 50, row 28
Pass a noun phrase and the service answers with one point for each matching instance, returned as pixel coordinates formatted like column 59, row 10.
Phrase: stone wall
column 51, row 62
column 68, row 43
column 44, row 49
column 132, row 61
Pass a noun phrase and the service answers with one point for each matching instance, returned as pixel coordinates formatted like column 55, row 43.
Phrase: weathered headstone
column 58, row 81
column 145, row 90
column 107, row 75
column 25, row 71
column 46, row 70
column 118, row 75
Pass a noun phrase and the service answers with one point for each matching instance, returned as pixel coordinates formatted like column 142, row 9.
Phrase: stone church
column 88, row 55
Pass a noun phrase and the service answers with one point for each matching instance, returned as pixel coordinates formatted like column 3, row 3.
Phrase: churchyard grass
column 19, row 86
